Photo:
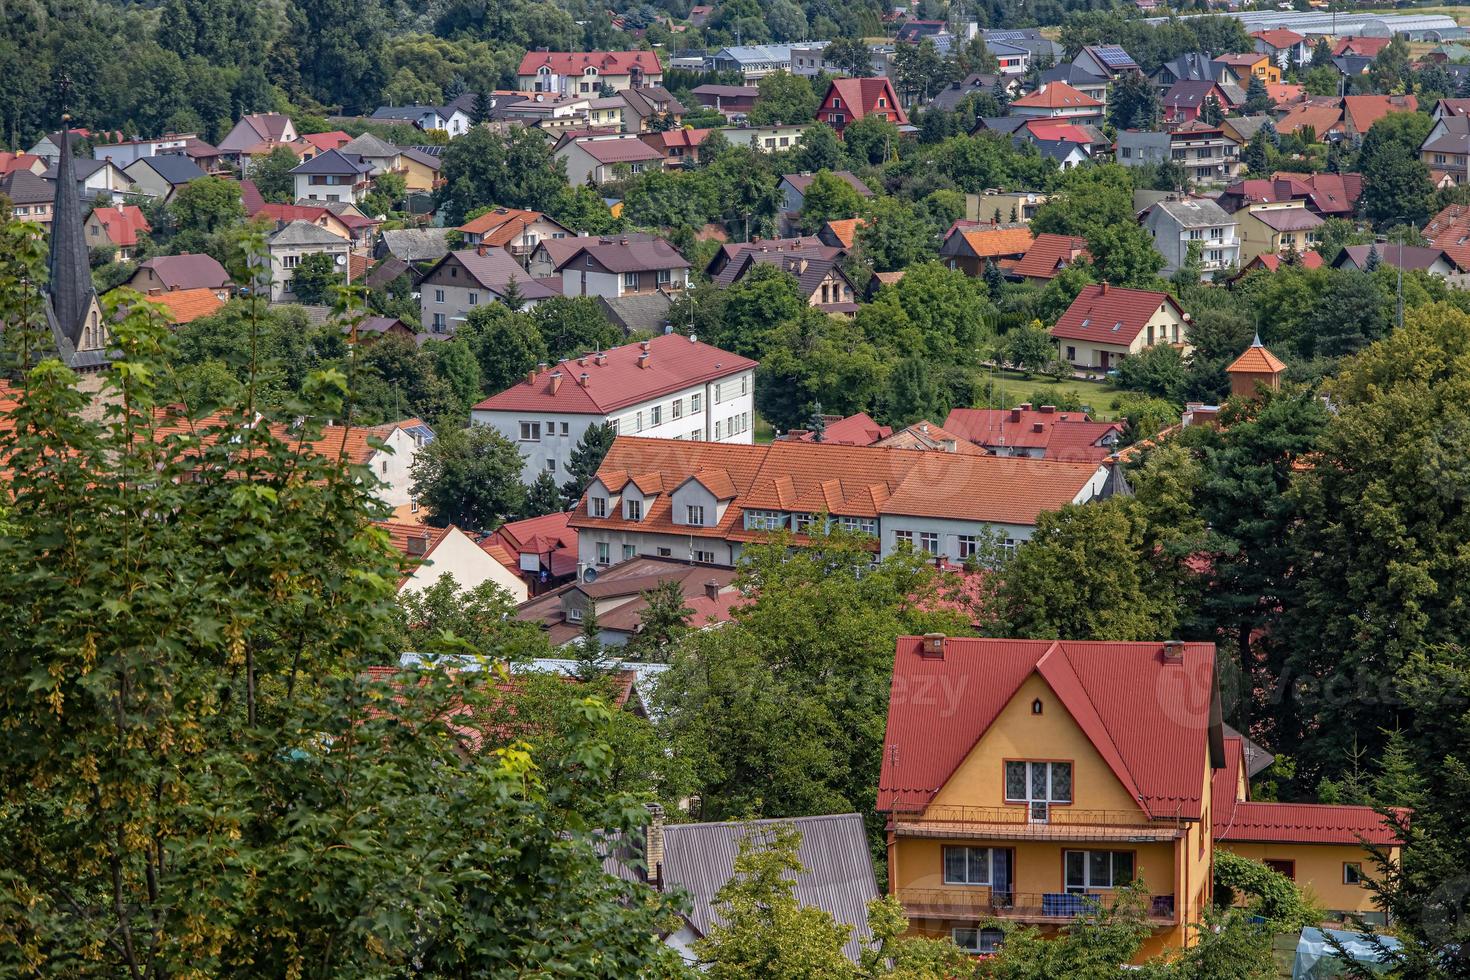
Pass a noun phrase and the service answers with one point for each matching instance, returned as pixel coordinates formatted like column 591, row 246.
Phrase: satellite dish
column 589, row 575
column 341, row 260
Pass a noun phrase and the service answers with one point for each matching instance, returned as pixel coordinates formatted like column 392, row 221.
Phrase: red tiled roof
column 18, row 161
column 1279, row 37
column 1064, row 131
column 287, row 213
column 1049, row 254
column 1282, row 92
column 1368, row 47
column 1110, row 314
column 1235, row 819
column 1365, row 110
column 1328, row 194
column 987, row 243
column 669, row 139
column 187, row 305
column 844, row 230
column 1243, row 59
column 860, row 98
column 1148, row 718
column 1057, row 95
column 122, row 223
column 1270, row 262
column 1030, row 428
column 576, row 62
column 628, row 149
column 334, row 140
column 501, row 225
column 1321, row 118
column 1450, row 230
column 1256, row 360
column 855, row 430
column 615, row 381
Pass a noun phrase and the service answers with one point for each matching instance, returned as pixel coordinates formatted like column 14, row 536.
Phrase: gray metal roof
column 1337, row 25
column 305, row 233
column 1195, row 212
column 368, row 145
column 700, row 858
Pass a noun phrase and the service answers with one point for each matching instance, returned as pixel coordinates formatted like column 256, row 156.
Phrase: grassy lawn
column 1011, row 389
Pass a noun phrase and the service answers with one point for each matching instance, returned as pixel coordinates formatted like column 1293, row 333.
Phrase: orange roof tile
column 1322, row 119
column 187, row 305
column 1057, row 95
column 1365, row 110
column 1256, row 360
column 995, row 242
column 845, row 230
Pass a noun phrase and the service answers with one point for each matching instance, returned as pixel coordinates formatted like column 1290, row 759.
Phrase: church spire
column 71, row 273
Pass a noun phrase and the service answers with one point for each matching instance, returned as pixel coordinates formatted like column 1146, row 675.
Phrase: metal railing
column 979, row 902
column 1021, row 815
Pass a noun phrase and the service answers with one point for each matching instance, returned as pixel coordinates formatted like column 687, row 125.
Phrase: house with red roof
column 513, row 229
column 541, row 550
column 1058, row 100
column 1363, row 47
column 1048, row 256
column 1450, row 230
column 1041, row 432
column 1039, row 777
column 430, row 553
column 1107, row 323
column 858, row 429
column 970, row 246
column 1285, row 47
column 678, row 146
column 1360, row 112
column 669, row 387
column 586, row 72
column 850, row 99
column 118, row 225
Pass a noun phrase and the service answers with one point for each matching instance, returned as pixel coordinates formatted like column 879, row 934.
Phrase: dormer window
column 765, row 520
column 574, row 614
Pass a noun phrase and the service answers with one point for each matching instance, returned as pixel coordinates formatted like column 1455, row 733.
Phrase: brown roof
column 1365, row 110
column 189, row 271
column 1049, row 254
column 990, row 243
column 1319, row 117
column 626, row 254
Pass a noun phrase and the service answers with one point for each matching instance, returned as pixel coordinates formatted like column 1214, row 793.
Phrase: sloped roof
column 1367, row 47
column 1056, row 95
column 1256, row 360
column 1329, row 194
column 175, row 168
column 1365, row 110
column 1279, row 37
column 333, row 140
column 1190, row 94
column 334, row 162
column 1235, row 819
column 122, row 223
column 1049, row 254
column 1411, row 257
column 576, row 62
column 187, row 305
column 494, row 269
column 626, row 254
column 187, row 271
column 1030, row 428
column 800, row 182
column 838, row 877
column 1151, row 720
column 368, row 145
column 25, row 187
column 416, row 244
column 1271, row 262
column 844, row 230
column 854, row 430
column 1321, row 117
column 675, row 362
column 990, row 242
column 624, row 149
column 503, row 226
column 1111, row 314
column 637, row 313
column 300, row 232
column 1450, row 230
column 860, row 97
column 1288, row 219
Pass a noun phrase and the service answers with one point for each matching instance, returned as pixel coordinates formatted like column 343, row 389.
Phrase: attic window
column 1117, row 326
column 1037, row 706
column 1087, row 321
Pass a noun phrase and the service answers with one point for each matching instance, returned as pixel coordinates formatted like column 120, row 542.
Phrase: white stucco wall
column 470, row 565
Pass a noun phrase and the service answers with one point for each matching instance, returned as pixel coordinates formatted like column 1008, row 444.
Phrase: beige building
column 438, row 551
column 1107, row 324
column 1277, row 228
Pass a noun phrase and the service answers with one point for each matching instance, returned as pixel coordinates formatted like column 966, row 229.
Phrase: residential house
column 705, row 502
column 618, row 595
column 723, row 265
column 948, row 99
column 31, row 196
column 464, row 279
column 1330, row 195
column 188, row 271
column 793, row 188
column 1048, row 256
column 850, row 99
column 1058, row 100
column 96, row 178
column 1141, row 148
column 606, row 115
column 1277, row 228
column 818, row 273
column 625, row 266
column 294, row 242
column 1106, row 61
column 419, row 167
column 669, row 387
column 1090, row 84
column 1267, row 262
column 255, row 135
column 380, row 156
column 1360, row 112
column 858, row 429
column 1242, row 128
column 433, row 552
column 1411, row 258
column 161, row 176
column 840, row 232
column 1174, row 224
column 1313, row 119
column 1284, row 47
column 1248, row 66
column 1205, row 151
column 1009, row 206
column 1450, row 230
column 809, row 59
column 552, row 113
column 1196, row 66
column 371, row 329
column 600, row 158
column 542, row 551
column 1186, row 100
column 752, row 61
column 445, row 119
column 1041, row 432
column 512, row 229
column 187, row 305
column 130, row 151
column 650, row 107
column 119, row 226
column 637, row 313
column 11, row 162
column 1363, row 47
column 766, row 139
column 48, row 147
column 1355, row 65
column 734, row 101
column 1450, row 107
column 1283, row 96
column 333, row 176
column 1446, row 149
column 1013, row 59
column 969, row 248
column 413, row 244
column 1106, row 324
column 334, row 139
column 1059, row 772
column 284, row 214
column 678, row 146
column 587, row 73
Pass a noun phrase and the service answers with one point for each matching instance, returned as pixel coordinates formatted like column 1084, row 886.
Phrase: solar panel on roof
column 1114, row 57
column 422, row 434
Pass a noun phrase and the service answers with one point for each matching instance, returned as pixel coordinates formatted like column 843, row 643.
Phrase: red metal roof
column 615, row 381
column 1148, row 718
column 1049, row 254
column 576, row 62
column 1110, row 314
column 1027, row 427
column 1238, row 819
column 860, row 98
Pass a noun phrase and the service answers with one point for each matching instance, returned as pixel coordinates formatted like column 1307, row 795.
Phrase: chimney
column 582, row 379
column 1038, row 427
column 1173, row 652
column 600, row 358
column 418, row 545
column 582, row 361
column 1015, row 415
column 555, row 381
column 933, row 646
column 1104, row 290
column 924, row 427
column 644, row 360
column 1048, row 409
column 480, row 248
column 1025, row 406
column 531, row 377
column 643, row 345
column 653, row 846
column 712, row 590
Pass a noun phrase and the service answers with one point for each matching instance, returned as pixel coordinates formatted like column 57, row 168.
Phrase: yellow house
column 420, row 170
column 1276, row 228
column 1106, row 324
column 606, row 114
column 1028, row 780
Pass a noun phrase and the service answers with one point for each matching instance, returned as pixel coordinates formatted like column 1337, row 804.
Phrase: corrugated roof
column 1148, row 718
column 1049, row 254
column 1111, row 314
column 838, row 877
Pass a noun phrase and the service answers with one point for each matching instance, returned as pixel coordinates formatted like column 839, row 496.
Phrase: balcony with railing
column 973, row 903
column 1037, row 822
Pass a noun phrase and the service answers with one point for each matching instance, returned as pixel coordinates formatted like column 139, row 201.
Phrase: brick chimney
column 1173, row 652
column 645, row 360
column 555, row 381
column 933, row 646
column 1104, row 290
column 531, row 377
column 582, row 379
column 712, row 590
column 1015, row 415
column 1048, row 409
column 653, row 846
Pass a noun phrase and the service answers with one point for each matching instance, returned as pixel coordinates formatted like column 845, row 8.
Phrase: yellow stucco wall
column 1088, row 352
column 1318, row 870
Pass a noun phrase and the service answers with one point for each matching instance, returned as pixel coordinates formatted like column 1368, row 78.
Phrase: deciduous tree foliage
column 470, row 478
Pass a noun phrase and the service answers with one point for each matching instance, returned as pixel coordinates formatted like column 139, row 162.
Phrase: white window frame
column 765, row 520
column 695, row 403
column 929, row 542
column 597, row 506
column 694, row 514
column 633, row 509
column 530, row 432
column 1088, row 883
column 703, row 557
column 903, row 538
column 604, row 553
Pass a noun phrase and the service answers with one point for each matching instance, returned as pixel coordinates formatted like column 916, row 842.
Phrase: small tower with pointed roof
column 72, row 310
column 1256, row 368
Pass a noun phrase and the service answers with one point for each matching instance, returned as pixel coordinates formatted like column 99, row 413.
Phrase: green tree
column 1396, row 188
column 484, row 167
column 506, row 345
column 820, row 149
column 914, row 393
column 389, row 190
column 586, row 457
column 445, row 619
column 1158, row 370
column 894, row 235
column 1322, row 80
column 454, row 362
column 1133, row 103
column 315, row 277
column 815, row 358
column 763, row 298
column 870, row 140
column 1257, row 97
column 1088, row 573
column 470, row 478
column 1257, row 155
column 784, row 98
column 593, row 659
column 663, row 623
column 543, row 496
column 571, row 326
column 272, row 175
column 828, row 198
column 1212, row 112
column 1030, row 347
column 201, row 208
column 1124, row 255
column 341, row 51
column 851, row 56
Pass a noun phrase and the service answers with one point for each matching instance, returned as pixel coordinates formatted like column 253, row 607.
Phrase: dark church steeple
column 73, row 297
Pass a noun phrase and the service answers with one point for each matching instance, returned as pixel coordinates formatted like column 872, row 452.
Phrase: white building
column 295, row 242
column 670, row 387
column 704, row 504
column 616, row 267
column 131, row 151
column 1174, row 224
column 438, row 551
